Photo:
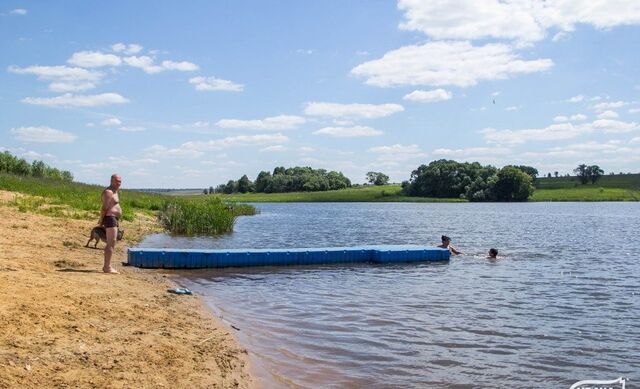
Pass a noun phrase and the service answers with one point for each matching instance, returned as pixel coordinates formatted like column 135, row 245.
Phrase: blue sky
column 192, row 94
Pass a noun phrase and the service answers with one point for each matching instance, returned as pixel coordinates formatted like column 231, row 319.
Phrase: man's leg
column 112, row 232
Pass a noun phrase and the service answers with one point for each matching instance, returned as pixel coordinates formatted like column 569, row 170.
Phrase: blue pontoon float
column 194, row 259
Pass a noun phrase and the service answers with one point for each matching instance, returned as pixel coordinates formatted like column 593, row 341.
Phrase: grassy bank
column 385, row 193
column 194, row 215
column 622, row 181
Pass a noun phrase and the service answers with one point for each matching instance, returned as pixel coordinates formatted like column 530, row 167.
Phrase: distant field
column 624, row 181
column 586, row 193
column 385, row 193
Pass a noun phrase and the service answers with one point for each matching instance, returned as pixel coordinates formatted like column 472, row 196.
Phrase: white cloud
column 365, row 111
column 447, row 63
column 143, row 62
column 396, row 149
column 132, row 128
column 472, row 152
column 19, row 11
column 70, row 100
column 512, row 108
column 126, row 49
column 470, row 19
column 607, row 106
column 183, row 66
column 575, row 99
column 63, row 78
column 608, row 115
column 215, row 84
column 42, row 134
column 94, row 59
column 64, row 87
column 232, row 141
column 635, row 140
column 282, row 122
column 634, row 110
column 111, row 122
column 348, row 132
column 306, row 149
column 162, row 151
column 522, row 21
column 556, row 131
column 572, row 118
column 275, row 148
column 428, row 96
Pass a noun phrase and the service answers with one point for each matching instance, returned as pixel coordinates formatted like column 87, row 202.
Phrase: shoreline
column 68, row 324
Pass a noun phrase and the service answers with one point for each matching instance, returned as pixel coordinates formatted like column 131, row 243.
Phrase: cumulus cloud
column 93, row 59
column 397, row 152
column 575, row 99
column 275, row 148
column 558, row 131
column 162, row 151
column 429, row 96
column 609, row 105
column 111, row 122
column 182, row 66
column 126, row 49
column 63, row 78
column 131, row 128
column 447, row 63
column 232, row 141
column 215, row 84
column 281, row 122
column 71, row 100
column 521, row 21
column 143, row 62
column 608, row 115
column 18, row 11
column 572, row 118
column 348, row 132
column 42, row 134
column 364, row 111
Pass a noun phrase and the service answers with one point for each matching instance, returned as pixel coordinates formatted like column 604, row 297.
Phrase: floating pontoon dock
column 194, row 259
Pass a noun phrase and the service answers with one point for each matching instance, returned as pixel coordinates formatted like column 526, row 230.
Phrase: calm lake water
column 560, row 305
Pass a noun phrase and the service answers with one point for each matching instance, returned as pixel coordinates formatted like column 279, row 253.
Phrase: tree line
column 282, row 180
column 11, row 164
column 472, row 181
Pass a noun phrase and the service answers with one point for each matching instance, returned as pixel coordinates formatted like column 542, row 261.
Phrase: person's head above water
column 493, row 253
column 445, row 241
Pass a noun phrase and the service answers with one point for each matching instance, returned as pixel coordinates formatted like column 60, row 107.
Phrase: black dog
column 100, row 234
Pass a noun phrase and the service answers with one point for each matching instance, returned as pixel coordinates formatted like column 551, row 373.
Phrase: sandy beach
column 67, row 324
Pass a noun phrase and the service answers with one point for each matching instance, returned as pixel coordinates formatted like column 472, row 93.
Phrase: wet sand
column 66, row 324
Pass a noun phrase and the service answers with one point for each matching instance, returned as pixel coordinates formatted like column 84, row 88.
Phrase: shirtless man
column 109, row 217
column 446, row 244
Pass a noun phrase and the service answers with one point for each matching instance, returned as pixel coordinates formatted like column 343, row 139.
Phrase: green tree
column 231, row 187
column 244, row 184
column 262, row 181
column 530, row 170
column 582, row 172
column 512, row 184
column 377, row 178
column 595, row 173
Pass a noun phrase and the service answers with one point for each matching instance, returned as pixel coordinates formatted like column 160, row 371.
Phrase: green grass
column 180, row 215
column 385, row 193
column 623, row 181
column 586, row 193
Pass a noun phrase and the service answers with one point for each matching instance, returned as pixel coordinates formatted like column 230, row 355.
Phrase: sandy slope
column 65, row 324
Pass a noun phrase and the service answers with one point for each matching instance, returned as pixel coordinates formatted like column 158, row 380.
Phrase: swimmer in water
column 446, row 244
column 493, row 254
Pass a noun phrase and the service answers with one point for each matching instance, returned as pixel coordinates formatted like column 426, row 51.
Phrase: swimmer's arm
column 454, row 251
